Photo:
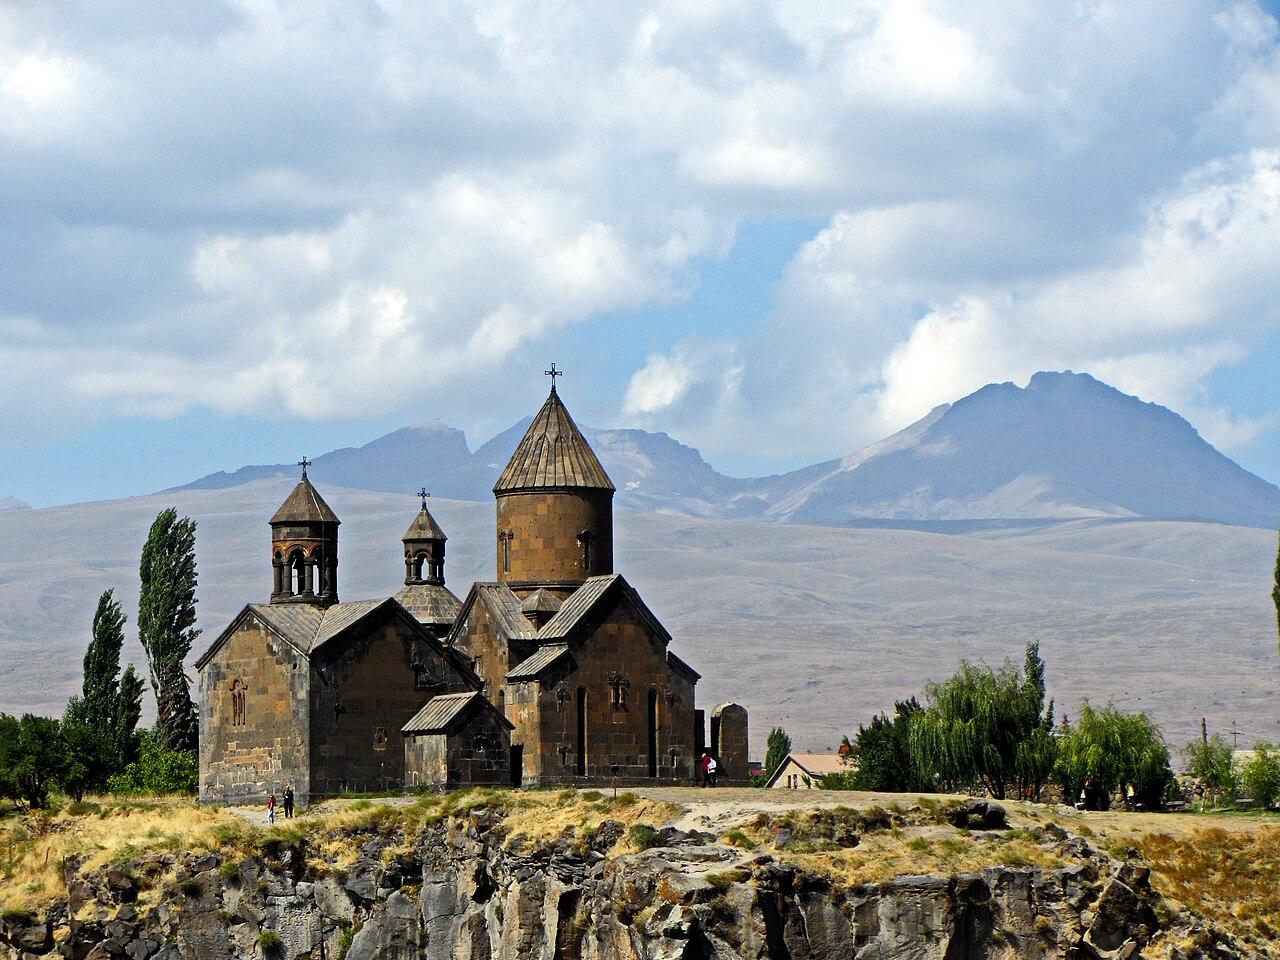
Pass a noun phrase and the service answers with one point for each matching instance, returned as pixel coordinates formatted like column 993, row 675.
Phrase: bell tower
column 304, row 547
column 424, row 548
column 554, row 506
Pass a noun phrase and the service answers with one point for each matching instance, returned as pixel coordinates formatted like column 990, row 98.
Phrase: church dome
column 304, row 505
column 553, row 455
column 424, row 527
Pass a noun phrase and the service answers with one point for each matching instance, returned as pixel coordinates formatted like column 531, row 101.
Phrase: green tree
column 1212, row 762
column 87, row 759
column 1109, row 751
column 158, row 770
column 110, row 703
column 882, row 752
column 779, row 745
column 167, row 623
column 1275, row 591
column 985, row 727
column 32, row 757
column 1260, row 775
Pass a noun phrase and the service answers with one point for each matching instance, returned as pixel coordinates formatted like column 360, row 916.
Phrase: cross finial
column 424, row 493
column 553, row 373
column 304, row 463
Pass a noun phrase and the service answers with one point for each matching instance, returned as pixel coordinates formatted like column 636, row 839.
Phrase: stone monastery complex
column 554, row 673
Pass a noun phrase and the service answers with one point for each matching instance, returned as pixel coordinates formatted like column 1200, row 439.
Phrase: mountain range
column 1058, row 511
column 1066, row 446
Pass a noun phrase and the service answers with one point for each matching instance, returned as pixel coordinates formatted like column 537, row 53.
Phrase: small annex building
column 804, row 771
column 459, row 739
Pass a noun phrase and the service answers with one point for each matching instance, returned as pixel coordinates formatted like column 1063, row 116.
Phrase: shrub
column 157, row 771
column 191, row 887
column 1211, row 761
column 269, row 942
column 736, row 838
column 643, row 836
column 1260, row 775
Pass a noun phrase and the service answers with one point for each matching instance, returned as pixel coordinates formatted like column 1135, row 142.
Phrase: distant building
column 804, row 771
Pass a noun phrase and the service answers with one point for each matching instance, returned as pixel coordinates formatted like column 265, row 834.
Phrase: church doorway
column 517, row 765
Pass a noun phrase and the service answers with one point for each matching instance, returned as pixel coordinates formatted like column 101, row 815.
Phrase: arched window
column 237, row 703
column 297, row 573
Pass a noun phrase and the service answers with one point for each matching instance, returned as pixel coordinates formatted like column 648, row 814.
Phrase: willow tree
column 167, row 623
column 1108, row 750
column 986, row 728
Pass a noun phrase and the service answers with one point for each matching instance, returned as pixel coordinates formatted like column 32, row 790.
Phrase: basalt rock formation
column 462, row 891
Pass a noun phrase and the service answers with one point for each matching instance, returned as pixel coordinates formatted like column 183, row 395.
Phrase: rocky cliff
column 462, row 888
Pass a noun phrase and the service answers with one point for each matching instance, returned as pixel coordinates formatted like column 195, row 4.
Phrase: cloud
column 1198, row 283
column 355, row 210
column 667, row 380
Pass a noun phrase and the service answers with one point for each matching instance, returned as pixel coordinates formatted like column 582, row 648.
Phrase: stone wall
column 623, row 649
column 545, row 528
column 362, row 692
column 729, row 741
column 426, row 761
column 253, row 719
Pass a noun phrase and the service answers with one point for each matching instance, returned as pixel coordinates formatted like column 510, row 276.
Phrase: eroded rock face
column 463, row 893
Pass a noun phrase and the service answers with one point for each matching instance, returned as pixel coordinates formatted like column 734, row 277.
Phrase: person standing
column 712, row 767
column 271, row 809
column 702, row 768
column 288, row 802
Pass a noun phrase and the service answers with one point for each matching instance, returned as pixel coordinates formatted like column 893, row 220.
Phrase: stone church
column 555, row 672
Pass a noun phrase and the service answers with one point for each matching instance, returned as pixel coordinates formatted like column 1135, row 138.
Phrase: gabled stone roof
column 424, row 527
column 304, row 505
column 430, row 603
column 504, row 607
column 540, row 660
column 553, row 455
column 308, row 628
column 445, row 712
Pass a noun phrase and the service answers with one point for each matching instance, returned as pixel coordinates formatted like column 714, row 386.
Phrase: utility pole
column 1235, row 736
column 1204, row 732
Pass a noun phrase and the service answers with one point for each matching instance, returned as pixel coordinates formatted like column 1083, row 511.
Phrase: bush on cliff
column 157, row 771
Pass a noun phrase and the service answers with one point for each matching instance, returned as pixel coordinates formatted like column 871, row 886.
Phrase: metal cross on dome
column 304, row 463
column 553, row 373
column 424, row 493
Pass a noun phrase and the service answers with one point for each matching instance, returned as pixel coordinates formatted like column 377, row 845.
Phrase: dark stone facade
column 326, row 721
column 580, row 683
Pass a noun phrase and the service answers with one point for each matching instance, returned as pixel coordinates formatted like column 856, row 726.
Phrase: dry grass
column 33, row 847
column 582, row 813
column 1226, row 876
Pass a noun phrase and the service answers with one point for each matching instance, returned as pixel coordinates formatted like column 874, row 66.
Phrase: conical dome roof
column 424, row 527
column 553, row 455
column 305, row 505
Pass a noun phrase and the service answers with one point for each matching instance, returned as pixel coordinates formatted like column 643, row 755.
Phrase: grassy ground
column 1222, row 866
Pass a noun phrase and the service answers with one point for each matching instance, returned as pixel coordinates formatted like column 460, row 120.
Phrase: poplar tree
column 110, row 703
column 1275, row 591
column 167, row 624
column 779, row 745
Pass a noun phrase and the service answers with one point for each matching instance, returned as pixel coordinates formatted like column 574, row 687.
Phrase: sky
column 243, row 231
